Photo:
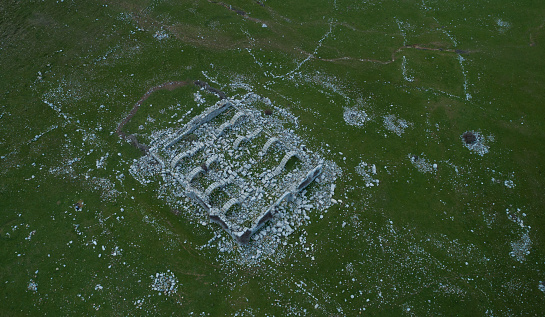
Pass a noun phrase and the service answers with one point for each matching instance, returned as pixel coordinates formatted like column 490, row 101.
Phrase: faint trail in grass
column 393, row 58
column 312, row 55
column 537, row 31
column 237, row 11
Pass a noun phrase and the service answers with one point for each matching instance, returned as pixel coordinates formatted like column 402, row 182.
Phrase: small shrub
column 268, row 112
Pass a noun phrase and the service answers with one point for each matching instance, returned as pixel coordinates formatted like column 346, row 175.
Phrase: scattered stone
column 521, row 248
column 476, row 142
column 422, row 164
column 32, row 286
column 509, row 184
column 393, row 124
column 79, row 205
column 165, row 283
column 367, row 172
column 355, row 117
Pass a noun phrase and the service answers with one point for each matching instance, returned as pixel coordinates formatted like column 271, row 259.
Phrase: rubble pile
column 164, row 283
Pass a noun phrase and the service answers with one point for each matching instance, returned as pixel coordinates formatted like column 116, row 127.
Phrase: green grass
column 401, row 245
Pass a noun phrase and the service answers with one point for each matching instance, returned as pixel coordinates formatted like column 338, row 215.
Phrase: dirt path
column 171, row 85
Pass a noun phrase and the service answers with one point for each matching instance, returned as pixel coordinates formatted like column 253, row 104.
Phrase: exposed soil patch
column 79, row 205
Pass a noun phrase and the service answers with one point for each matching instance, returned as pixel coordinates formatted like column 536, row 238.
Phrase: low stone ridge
column 230, row 167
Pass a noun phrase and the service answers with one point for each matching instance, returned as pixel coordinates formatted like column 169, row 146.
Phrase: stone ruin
column 236, row 164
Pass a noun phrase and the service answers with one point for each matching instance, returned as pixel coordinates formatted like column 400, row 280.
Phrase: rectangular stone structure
column 235, row 159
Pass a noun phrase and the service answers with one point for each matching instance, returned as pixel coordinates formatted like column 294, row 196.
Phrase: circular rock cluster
column 164, row 283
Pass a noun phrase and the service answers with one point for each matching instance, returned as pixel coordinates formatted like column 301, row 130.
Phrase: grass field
column 448, row 229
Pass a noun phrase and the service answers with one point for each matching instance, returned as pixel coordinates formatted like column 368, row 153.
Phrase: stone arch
column 229, row 204
column 239, row 140
column 230, row 123
column 245, row 138
column 177, row 159
column 267, row 145
column 222, row 128
column 216, row 185
column 185, row 154
column 211, row 160
column 237, row 116
column 194, row 172
column 285, row 160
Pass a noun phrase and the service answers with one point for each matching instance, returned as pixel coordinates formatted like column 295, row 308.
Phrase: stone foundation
column 262, row 182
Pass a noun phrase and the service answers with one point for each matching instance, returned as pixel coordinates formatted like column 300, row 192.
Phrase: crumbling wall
column 311, row 176
column 201, row 119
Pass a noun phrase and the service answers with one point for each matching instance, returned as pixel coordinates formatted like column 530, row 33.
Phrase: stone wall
column 201, row 119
